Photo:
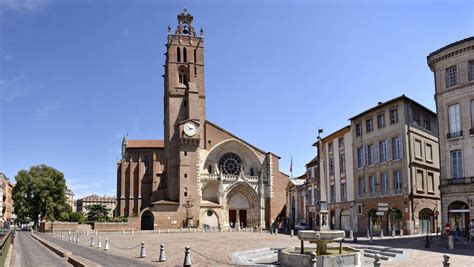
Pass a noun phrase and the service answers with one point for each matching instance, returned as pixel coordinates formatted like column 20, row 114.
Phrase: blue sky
column 75, row 76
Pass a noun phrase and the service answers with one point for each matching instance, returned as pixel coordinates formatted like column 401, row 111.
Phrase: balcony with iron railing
column 373, row 194
column 453, row 135
column 455, row 181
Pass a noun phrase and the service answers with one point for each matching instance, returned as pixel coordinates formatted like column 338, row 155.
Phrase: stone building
column 200, row 174
column 109, row 202
column 70, row 199
column 453, row 68
column 335, row 154
column 396, row 167
column 296, row 200
column 6, row 201
column 316, row 191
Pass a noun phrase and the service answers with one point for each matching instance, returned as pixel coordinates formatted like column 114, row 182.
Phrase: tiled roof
column 145, row 144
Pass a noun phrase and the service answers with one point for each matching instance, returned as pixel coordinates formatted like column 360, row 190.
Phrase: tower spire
column 185, row 24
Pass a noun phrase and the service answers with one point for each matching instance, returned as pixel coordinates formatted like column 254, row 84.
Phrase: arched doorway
column 210, row 220
column 374, row 224
column 242, row 204
column 394, row 221
column 148, row 220
column 426, row 221
column 458, row 217
column 345, row 220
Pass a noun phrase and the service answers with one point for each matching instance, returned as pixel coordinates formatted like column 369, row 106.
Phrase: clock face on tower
column 190, row 129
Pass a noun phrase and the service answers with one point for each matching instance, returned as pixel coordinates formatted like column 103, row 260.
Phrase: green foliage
column 63, row 216
column 77, row 217
column 117, row 219
column 97, row 213
column 39, row 194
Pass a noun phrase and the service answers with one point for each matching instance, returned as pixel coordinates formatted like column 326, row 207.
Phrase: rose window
column 230, row 163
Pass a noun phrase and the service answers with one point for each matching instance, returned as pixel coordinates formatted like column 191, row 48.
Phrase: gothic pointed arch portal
column 242, row 205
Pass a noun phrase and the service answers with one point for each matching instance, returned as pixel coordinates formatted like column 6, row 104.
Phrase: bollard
column 70, row 238
column 351, row 234
column 143, row 251
column 92, row 241
column 87, row 232
column 133, row 231
column 368, row 234
column 123, row 231
column 159, row 231
column 261, row 230
column 69, row 232
column 446, row 260
column 292, row 232
column 62, row 235
column 95, row 232
column 106, row 247
column 393, row 233
column 168, row 230
column 401, row 232
column 187, row 257
column 99, row 243
column 381, row 233
column 162, row 253
column 314, row 260
column 450, row 242
column 377, row 260
column 77, row 238
column 276, row 231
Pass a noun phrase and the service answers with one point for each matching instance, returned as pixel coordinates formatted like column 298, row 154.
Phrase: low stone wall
column 110, row 226
column 58, row 226
column 84, row 227
column 287, row 257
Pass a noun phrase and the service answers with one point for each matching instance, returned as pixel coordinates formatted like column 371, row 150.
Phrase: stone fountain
column 320, row 238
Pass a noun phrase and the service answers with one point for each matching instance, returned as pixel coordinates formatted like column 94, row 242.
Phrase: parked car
column 302, row 226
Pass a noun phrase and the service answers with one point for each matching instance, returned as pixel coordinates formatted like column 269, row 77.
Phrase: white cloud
column 23, row 5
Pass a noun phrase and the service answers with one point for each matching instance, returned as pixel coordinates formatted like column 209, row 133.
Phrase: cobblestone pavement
column 216, row 249
column 96, row 255
column 29, row 252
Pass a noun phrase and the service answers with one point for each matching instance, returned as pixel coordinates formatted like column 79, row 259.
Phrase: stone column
column 237, row 219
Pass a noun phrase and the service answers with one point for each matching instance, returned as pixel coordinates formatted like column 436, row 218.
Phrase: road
column 30, row 252
column 95, row 255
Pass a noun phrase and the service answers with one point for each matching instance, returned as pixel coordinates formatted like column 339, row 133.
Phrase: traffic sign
column 383, row 204
column 447, row 228
column 383, row 209
column 379, row 213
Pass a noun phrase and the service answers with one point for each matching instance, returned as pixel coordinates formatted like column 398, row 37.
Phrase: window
column 361, row 186
column 471, row 70
column 333, row 193
column 342, row 164
column 472, row 115
column 416, row 116
column 396, row 148
column 373, row 185
column 427, row 125
column 369, row 126
column 418, row 149
column 359, row 209
column 343, row 192
column 454, row 121
column 182, row 75
column 147, row 165
column 230, row 163
column 195, row 61
column 429, row 152
column 420, row 183
column 381, row 120
column 331, row 166
column 397, row 182
column 209, row 169
column 178, row 54
column 456, row 164
column 185, row 55
column 360, row 162
column 340, row 142
column 371, row 154
column 251, row 172
column 451, row 74
column 431, row 186
column 330, row 147
column 384, row 180
column 358, row 129
column 382, row 151
column 393, row 116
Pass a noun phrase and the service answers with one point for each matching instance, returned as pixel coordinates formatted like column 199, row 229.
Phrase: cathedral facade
column 200, row 175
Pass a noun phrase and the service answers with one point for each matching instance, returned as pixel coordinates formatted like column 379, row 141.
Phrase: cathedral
column 199, row 175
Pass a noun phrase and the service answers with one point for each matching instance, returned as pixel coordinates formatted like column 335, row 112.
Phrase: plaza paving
column 217, row 249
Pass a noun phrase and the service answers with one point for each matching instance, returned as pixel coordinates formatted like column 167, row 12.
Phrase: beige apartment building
column 335, row 154
column 108, row 201
column 70, row 199
column 316, row 205
column 199, row 175
column 396, row 168
column 453, row 68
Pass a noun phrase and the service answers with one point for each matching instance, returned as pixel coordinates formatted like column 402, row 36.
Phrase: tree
column 77, row 217
column 97, row 212
column 39, row 193
column 63, row 216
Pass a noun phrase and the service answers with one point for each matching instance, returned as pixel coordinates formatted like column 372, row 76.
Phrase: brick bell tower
column 184, row 114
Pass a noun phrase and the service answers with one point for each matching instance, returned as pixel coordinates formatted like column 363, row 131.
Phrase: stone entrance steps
column 261, row 257
column 385, row 253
